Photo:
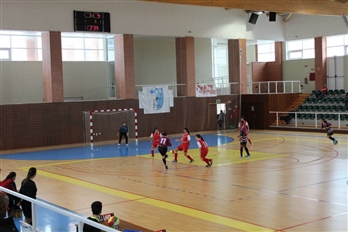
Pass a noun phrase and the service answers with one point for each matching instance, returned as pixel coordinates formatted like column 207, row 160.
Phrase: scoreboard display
column 91, row 21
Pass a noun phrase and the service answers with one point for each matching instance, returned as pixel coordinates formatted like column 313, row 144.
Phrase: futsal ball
column 172, row 151
column 113, row 221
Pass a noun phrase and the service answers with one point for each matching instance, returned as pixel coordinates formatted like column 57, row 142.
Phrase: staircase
column 296, row 103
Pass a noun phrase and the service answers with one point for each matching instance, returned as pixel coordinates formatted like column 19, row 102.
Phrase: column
column 320, row 62
column 124, row 67
column 237, row 67
column 185, row 66
column 52, row 66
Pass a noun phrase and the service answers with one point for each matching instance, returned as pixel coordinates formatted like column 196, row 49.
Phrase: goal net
column 101, row 126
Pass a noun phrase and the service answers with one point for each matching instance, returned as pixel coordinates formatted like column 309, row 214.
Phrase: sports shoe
column 119, row 144
column 335, row 142
column 127, row 144
column 207, row 166
column 152, row 156
column 248, row 155
column 191, row 161
column 174, row 161
column 211, row 162
column 241, row 157
column 166, row 167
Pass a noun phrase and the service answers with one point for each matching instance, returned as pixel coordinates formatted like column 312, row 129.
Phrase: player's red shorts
column 204, row 153
column 155, row 144
column 183, row 147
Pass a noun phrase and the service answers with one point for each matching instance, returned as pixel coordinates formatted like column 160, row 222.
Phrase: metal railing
column 178, row 89
column 81, row 220
column 299, row 121
column 268, row 87
column 223, row 87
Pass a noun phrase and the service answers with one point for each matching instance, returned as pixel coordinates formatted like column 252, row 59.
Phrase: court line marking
column 66, row 162
column 232, row 223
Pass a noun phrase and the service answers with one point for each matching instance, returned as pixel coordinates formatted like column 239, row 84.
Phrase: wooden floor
column 293, row 181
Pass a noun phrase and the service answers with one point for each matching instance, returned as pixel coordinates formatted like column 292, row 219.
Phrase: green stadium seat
column 342, row 91
column 330, row 92
column 336, row 92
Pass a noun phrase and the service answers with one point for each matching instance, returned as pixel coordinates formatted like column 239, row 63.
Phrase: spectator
column 96, row 212
column 320, row 93
column 290, row 116
column 28, row 188
column 221, row 119
column 9, row 183
column 6, row 224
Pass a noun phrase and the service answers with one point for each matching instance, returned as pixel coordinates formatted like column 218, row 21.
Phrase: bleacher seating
column 331, row 103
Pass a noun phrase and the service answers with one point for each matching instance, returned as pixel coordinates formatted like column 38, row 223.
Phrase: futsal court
column 293, row 181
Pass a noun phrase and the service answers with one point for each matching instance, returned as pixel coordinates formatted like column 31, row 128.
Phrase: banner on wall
column 205, row 90
column 155, row 99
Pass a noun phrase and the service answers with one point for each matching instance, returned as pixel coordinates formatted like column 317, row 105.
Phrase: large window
column 265, row 52
column 220, row 62
column 337, row 45
column 20, row 47
column 83, row 49
column 300, row 49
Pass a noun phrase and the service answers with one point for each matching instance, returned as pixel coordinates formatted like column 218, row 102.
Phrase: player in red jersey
column 203, row 150
column 246, row 124
column 185, row 143
column 155, row 135
column 327, row 126
column 243, row 138
column 163, row 145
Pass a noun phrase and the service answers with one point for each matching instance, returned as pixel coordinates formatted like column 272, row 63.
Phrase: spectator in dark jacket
column 6, row 224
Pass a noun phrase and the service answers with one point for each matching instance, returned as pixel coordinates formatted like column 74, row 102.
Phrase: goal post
column 103, row 125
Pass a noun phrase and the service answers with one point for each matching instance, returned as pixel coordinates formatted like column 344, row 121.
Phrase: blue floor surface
column 107, row 151
column 49, row 221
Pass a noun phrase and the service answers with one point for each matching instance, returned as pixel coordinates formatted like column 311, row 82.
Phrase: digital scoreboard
column 91, row 21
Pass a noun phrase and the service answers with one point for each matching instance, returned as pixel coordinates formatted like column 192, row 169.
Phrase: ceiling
column 309, row 7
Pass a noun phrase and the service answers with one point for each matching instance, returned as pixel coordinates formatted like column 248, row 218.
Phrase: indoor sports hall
column 85, row 84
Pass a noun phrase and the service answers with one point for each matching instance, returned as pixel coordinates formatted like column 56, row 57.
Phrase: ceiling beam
column 309, row 7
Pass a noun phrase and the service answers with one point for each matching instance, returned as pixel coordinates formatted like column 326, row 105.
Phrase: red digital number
column 92, row 28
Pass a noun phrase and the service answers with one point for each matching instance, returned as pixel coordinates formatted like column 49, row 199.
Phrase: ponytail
column 200, row 137
column 31, row 174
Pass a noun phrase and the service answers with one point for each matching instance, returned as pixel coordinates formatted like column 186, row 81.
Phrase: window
column 300, row 49
column 336, row 45
column 5, row 54
column 220, row 63
column 83, row 49
column 265, row 52
column 19, row 46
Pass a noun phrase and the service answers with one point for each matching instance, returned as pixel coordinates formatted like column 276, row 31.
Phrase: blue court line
column 108, row 151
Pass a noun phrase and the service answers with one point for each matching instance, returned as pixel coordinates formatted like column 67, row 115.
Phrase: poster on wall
column 155, row 99
column 205, row 90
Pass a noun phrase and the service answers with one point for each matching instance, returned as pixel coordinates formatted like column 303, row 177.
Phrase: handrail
column 80, row 219
column 293, row 84
column 308, row 112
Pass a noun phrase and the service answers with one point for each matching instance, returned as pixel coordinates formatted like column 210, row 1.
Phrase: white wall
column 154, row 60
column 298, row 70
column 85, row 79
column 203, row 60
column 311, row 26
column 140, row 18
column 21, row 82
